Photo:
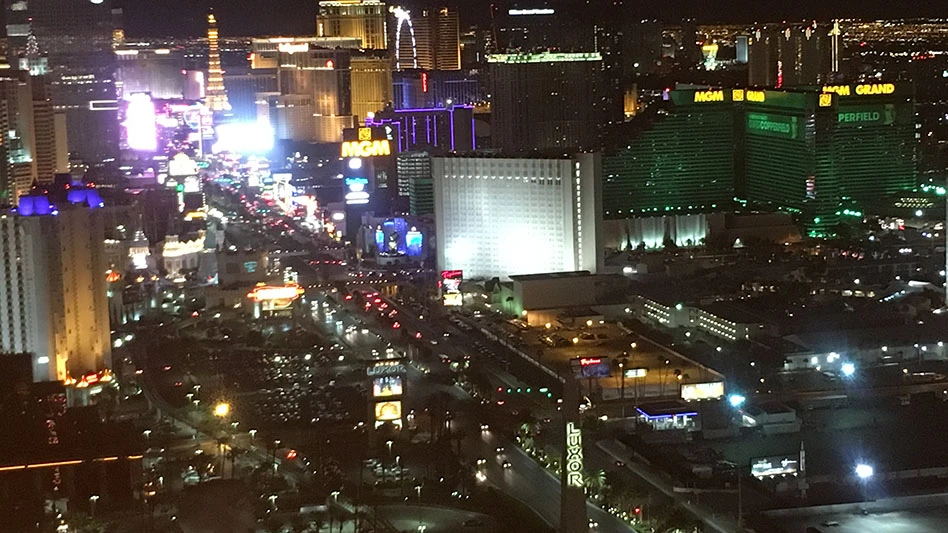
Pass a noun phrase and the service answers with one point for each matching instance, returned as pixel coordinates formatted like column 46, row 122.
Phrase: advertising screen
column 776, row 465
column 591, row 367
column 388, row 411
column 141, row 129
column 451, row 287
column 702, row 391
column 635, row 372
column 386, row 386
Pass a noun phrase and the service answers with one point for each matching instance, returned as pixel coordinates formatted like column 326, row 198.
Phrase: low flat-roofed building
column 668, row 415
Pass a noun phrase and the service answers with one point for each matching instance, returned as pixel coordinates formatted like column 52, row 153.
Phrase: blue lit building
column 450, row 128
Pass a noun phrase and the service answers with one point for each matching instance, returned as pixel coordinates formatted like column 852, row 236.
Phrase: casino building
column 817, row 152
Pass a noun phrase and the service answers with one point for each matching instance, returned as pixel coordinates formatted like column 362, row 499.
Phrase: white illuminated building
column 178, row 256
column 505, row 216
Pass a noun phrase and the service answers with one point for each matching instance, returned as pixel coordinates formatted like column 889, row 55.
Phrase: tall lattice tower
column 215, row 96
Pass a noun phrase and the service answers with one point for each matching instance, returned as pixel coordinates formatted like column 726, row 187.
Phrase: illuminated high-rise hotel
column 53, row 302
column 499, row 216
column 546, row 100
column 215, row 94
column 364, row 19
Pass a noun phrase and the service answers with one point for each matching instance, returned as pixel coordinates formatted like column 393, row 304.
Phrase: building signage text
column 366, row 148
column 709, row 96
column 385, row 370
column 574, row 455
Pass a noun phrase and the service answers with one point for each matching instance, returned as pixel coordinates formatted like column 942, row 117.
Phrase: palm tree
column 595, row 482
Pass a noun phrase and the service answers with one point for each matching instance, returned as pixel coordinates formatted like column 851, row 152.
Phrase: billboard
column 388, row 411
column 635, row 373
column 702, row 391
column 357, row 192
column 591, row 367
column 275, row 297
column 141, row 128
column 385, row 386
column 775, row 465
column 450, row 285
column 785, row 127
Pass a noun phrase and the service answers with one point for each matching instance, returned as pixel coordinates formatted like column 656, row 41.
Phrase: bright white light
column 540, row 11
column 736, row 400
column 848, row 369
column 864, row 471
column 141, row 133
column 42, row 360
column 355, row 163
column 919, row 212
column 244, row 138
column 814, row 360
column 338, row 216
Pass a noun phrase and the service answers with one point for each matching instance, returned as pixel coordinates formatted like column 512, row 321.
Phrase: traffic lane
column 530, row 483
column 932, row 520
column 664, row 483
column 435, row 519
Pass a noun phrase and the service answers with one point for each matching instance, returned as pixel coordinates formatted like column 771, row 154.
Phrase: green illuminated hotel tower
column 818, row 152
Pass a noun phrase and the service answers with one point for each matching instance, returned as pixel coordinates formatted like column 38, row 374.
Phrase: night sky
column 297, row 17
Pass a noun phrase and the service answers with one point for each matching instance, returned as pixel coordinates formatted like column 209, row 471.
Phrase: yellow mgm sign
column 366, row 148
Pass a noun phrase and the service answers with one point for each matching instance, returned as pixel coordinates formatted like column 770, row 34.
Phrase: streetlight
column 222, row 409
column 864, row 472
column 848, row 370
column 92, row 499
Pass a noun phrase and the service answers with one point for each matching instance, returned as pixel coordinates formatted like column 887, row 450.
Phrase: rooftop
column 551, row 275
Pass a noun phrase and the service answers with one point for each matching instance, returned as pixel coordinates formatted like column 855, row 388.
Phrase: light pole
column 221, row 410
column 92, row 499
column 864, row 472
column 622, row 363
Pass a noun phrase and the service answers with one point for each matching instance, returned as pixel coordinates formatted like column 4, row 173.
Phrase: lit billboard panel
column 778, row 465
column 451, row 287
column 244, row 138
column 591, row 367
column 386, row 386
column 389, row 411
column 141, row 129
column 702, row 391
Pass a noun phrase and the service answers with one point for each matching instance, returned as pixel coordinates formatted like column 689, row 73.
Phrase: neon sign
column 756, row 96
column 385, row 369
column 286, row 292
column 366, row 148
column 292, row 48
column 589, row 361
column 875, row 88
column 709, row 96
column 842, row 90
column 865, row 89
column 574, row 455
